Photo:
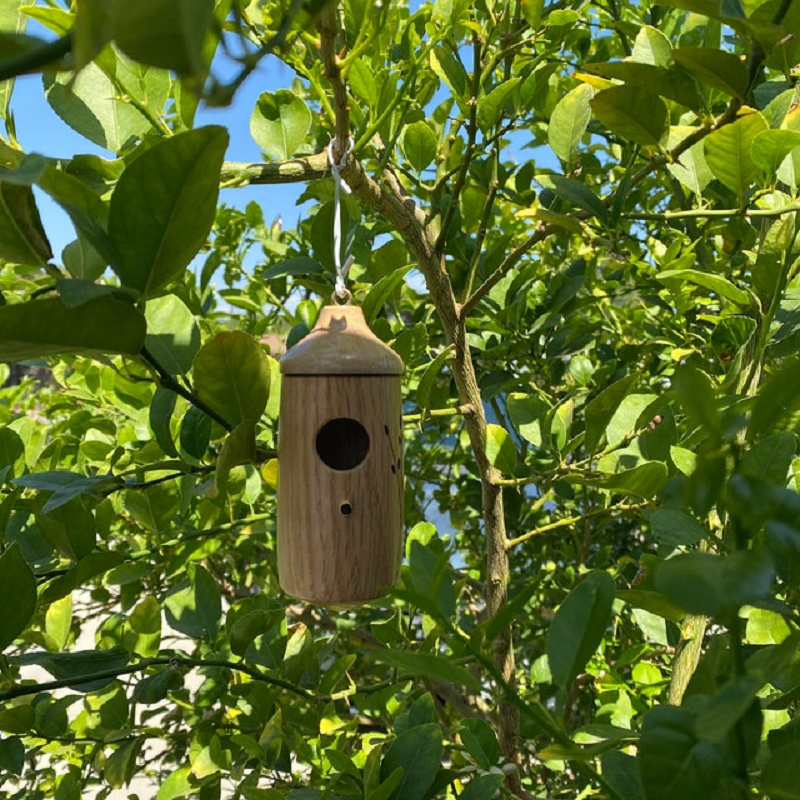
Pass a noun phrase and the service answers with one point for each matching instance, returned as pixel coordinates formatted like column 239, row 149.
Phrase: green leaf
column 771, row 458
column 88, row 213
column 69, row 528
column 163, row 207
column 492, row 107
column 419, row 145
column 173, row 337
column 635, row 114
column 770, row 148
column 579, row 194
column 379, row 294
column 481, row 742
column 12, row 454
column 578, row 627
column 22, row 238
column 482, row 787
column 176, row 785
column 673, row 762
column 528, row 415
column 652, row 48
column 697, row 397
column 643, row 480
column 292, row 266
column 625, row 419
column 418, row 752
column 500, row 449
column 362, row 82
column 727, row 707
column 161, row 409
column 90, row 103
column 11, row 20
column 426, row 665
column 728, row 151
column 430, row 375
column 708, row 280
column 449, row 69
column 58, row 621
column 232, row 376
column 702, row 583
column 777, row 400
column 195, row 433
column 239, row 448
column 621, row 772
column 691, row 168
column 194, row 607
column 568, row 122
column 12, row 755
column 143, row 628
column 78, row 666
column 674, row 528
column 279, row 123
column 716, row 68
column 431, row 576
column 169, row 34
column 120, row 767
column 779, row 774
column 601, row 410
column 155, row 688
column 18, row 587
column 47, row 327
column 673, row 83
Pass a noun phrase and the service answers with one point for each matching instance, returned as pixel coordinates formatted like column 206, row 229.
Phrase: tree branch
column 295, row 170
column 34, row 60
column 25, row 690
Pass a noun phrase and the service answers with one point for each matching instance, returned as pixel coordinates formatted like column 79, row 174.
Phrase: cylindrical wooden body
column 340, row 484
column 340, row 531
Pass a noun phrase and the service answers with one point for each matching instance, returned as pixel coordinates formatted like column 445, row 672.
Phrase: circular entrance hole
column 342, row 443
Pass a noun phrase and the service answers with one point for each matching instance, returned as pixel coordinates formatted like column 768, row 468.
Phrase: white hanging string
column 340, row 290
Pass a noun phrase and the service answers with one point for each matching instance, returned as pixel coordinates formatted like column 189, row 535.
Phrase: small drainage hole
column 346, row 509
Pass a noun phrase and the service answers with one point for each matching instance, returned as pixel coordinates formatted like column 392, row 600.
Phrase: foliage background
column 576, row 223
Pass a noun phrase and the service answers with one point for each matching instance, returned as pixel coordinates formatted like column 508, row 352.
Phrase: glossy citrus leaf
column 194, row 606
column 169, row 34
column 634, row 114
column 163, row 207
column 568, row 122
column 232, row 375
column 728, row 151
column 279, row 123
column 173, row 337
column 500, row 449
column 419, row 752
column 22, row 237
column 578, row 627
column 715, row 68
column 673, row 83
column 47, row 327
column 419, row 145
column 18, row 588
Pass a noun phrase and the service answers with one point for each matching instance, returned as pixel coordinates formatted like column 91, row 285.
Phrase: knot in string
column 340, row 289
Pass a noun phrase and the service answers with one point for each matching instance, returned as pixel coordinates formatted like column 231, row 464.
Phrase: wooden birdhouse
column 340, row 489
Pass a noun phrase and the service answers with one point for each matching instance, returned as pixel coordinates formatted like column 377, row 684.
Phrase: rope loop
column 340, row 289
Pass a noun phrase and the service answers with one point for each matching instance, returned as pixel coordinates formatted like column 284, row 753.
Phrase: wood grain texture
column 326, row 556
column 341, row 343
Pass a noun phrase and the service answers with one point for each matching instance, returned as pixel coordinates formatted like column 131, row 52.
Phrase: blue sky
column 41, row 130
